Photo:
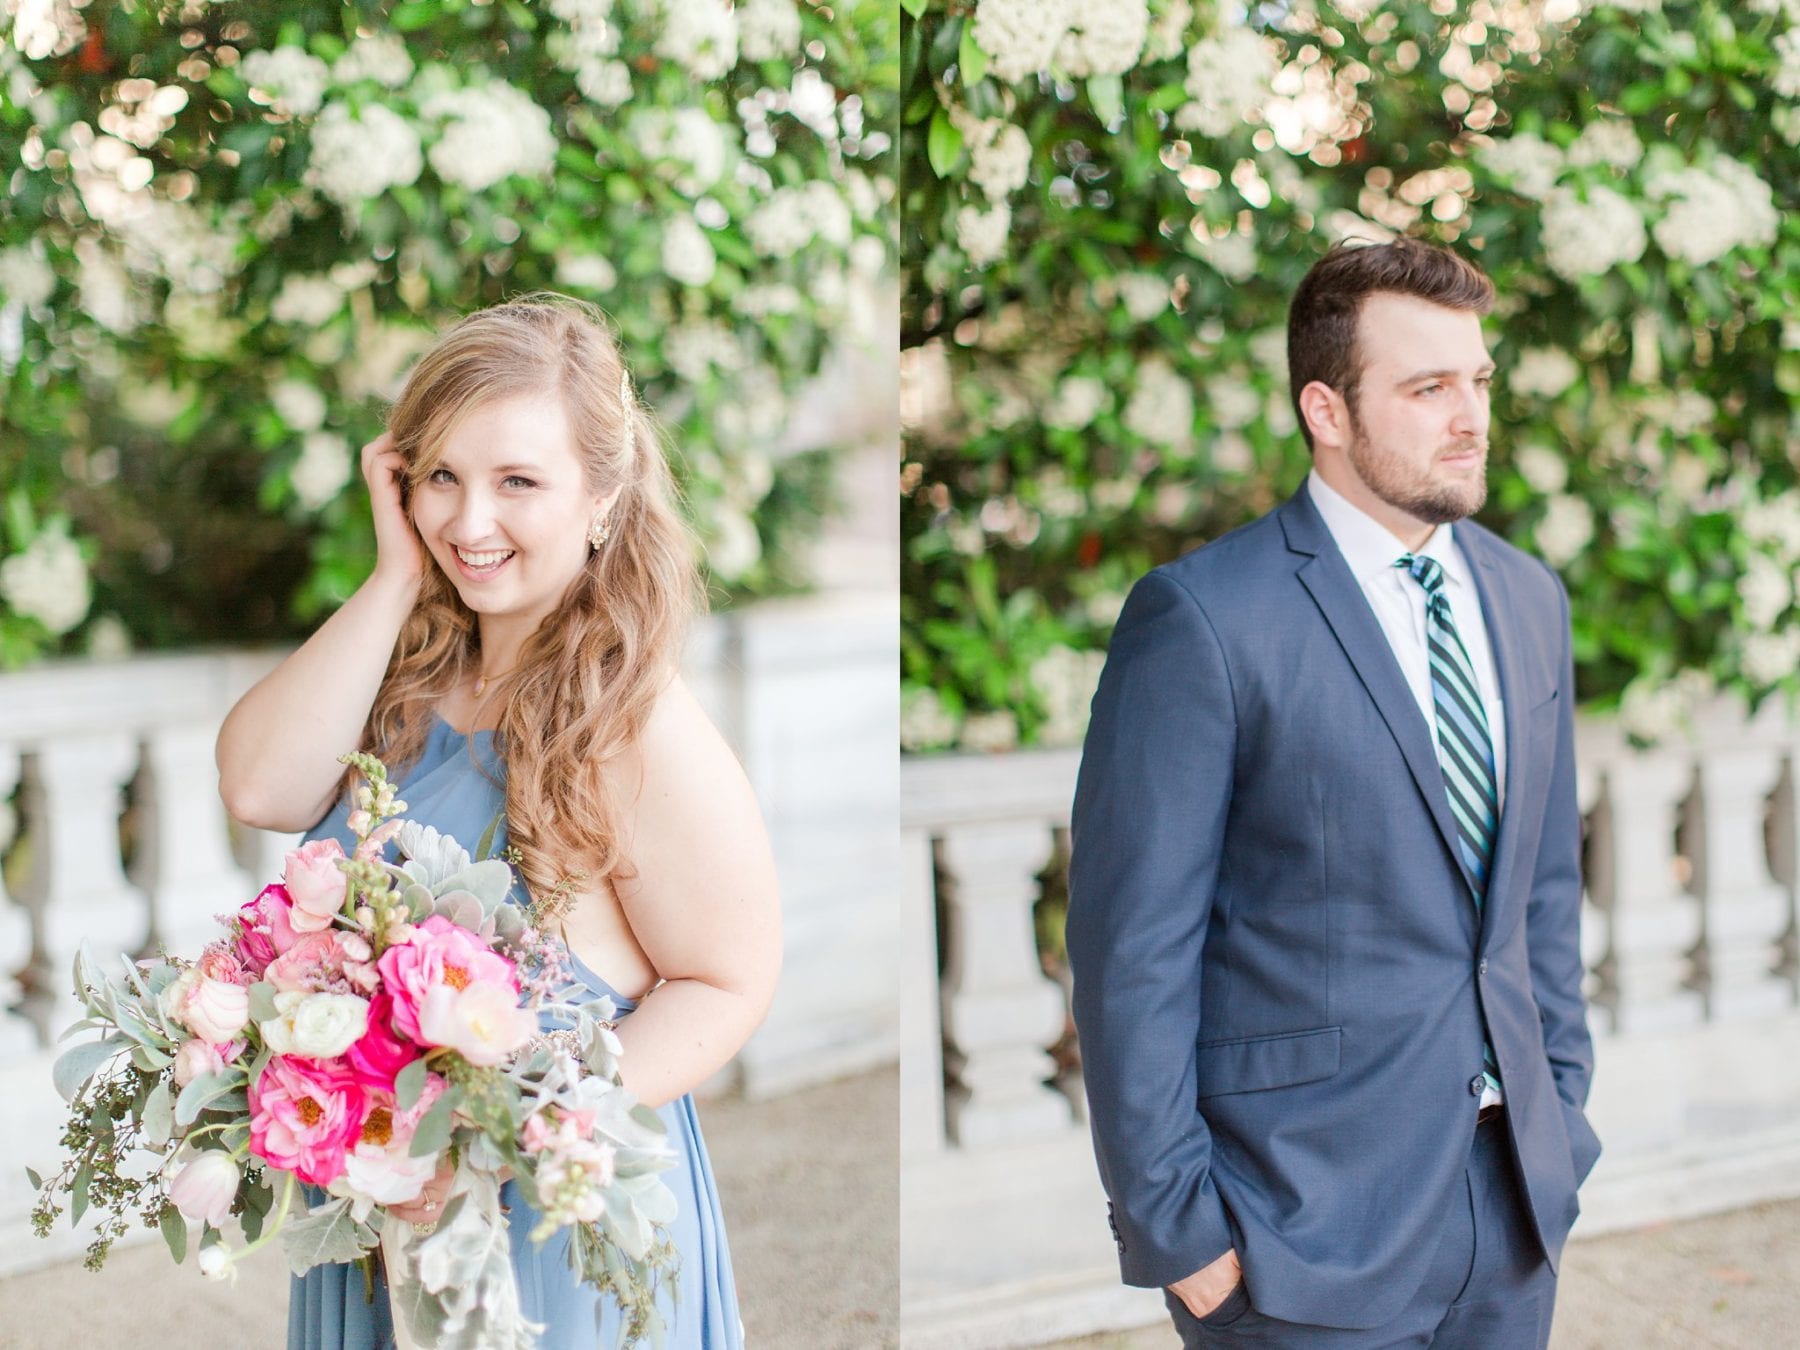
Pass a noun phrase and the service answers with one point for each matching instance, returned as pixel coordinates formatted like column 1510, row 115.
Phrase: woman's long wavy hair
column 589, row 675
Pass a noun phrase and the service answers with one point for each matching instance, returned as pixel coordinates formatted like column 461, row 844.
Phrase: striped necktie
column 1465, row 750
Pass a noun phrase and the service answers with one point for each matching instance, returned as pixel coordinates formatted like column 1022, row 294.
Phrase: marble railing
column 112, row 833
column 1689, row 938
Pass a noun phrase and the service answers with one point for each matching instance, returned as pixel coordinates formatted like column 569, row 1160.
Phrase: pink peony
column 483, row 1023
column 378, row 1057
column 436, row 953
column 264, row 931
column 305, row 1115
column 315, row 884
column 381, row 1168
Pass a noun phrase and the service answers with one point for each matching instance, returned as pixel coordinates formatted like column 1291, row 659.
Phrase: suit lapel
column 1340, row 599
column 1504, row 638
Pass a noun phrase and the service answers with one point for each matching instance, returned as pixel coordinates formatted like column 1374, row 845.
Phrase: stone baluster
column 1000, row 1011
column 1744, row 910
column 77, row 889
column 1596, row 932
column 17, row 1035
column 921, row 1025
column 1784, row 865
column 1653, row 923
column 184, row 856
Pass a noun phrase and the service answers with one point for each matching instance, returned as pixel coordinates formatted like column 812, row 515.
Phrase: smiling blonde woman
column 513, row 656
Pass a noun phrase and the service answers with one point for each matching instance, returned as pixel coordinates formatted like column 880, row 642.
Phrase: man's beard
column 1392, row 480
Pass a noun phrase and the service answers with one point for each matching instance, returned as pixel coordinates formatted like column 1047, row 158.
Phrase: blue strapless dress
column 328, row 1310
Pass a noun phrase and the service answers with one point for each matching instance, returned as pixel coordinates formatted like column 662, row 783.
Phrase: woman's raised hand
column 397, row 549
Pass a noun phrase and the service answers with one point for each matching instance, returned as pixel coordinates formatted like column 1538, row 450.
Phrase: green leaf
column 409, row 1084
column 78, row 1191
column 325, row 1236
column 914, row 7
column 943, row 144
column 174, row 1231
column 433, row 1133
column 971, row 60
column 159, row 1117
column 262, row 1001
column 1106, row 95
column 79, row 1063
column 484, row 849
column 37, row 1182
column 199, row 1092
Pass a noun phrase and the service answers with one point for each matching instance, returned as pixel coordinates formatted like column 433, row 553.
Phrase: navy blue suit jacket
column 1280, row 976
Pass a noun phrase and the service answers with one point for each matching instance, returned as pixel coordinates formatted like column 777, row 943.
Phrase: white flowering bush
column 1108, row 207
column 230, row 228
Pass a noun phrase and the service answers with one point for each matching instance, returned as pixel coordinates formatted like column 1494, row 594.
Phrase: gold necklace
column 483, row 681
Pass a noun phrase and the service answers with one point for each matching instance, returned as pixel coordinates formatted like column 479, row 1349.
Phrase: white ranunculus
column 300, row 404
column 982, row 235
column 1105, row 37
column 48, row 582
column 1565, row 530
column 322, row 469
column 288, row 79
column 1541, row 467
column 1587, row 238
column 355, row 158
column 1543, row 372
column 1020, row 36
column 325, row 1025
column 768, row 30
column 204, row 1189
column 492, row 131
column 216, row 1264
column 700, row 36
column 687, row 254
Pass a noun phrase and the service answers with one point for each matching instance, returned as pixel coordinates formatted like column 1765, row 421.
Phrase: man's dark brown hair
column 1322, row 320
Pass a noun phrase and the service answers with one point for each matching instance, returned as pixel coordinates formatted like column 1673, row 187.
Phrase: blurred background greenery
column 1107, row 204
column 230, row 226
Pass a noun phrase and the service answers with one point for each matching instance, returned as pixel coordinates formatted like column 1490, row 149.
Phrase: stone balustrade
column 1692, row 855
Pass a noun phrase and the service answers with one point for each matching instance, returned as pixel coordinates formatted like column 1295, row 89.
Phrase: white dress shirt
column 1399, row 605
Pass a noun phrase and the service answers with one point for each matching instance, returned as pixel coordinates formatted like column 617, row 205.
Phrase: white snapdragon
column 1529, row 163
column 1765, row 590
column 700, row 36
column 358, row 156
column 1227, row 77
column 380, row 58
column 322, row 470
column 1105, row 37
column 1542, row 468
column 1064, row 681
column 1161, row 409
column 982, row 235
column 1020, row 36
column 692, row 142
column 26, row 277
column 1587, row 238
column 687, row 254
column 1543, row 372
column 1076, row 403
column 287, row 79
column 306, row 300
column 768, row 30
column 48, row 581
column 1565, row 530
column 1608, row 142
column 493, row 131
column 999, row 155
column 1710, row 211
column 300, row 404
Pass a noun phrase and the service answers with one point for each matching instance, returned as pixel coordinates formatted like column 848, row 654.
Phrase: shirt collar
column 1369, row 547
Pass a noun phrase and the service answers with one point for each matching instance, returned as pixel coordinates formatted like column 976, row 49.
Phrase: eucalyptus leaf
column 159, row 1117
column 434, row 1128
column 175, row 1233
column 80, row 1062
column 199, row 1092
column 262, row 1001
column 37, row 1182
column 409, row 1085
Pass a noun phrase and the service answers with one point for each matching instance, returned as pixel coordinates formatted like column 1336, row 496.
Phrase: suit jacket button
column 1482, row 968
column 1476, row 1084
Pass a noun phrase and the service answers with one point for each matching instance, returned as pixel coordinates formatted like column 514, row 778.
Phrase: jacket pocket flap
column 1263, row 1062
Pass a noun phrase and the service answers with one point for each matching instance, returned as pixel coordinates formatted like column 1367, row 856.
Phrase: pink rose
column 305, row 1115
column 377, row 1058
column 314, row 963
column 264, row 931
column 315, row 884
column 438, row 952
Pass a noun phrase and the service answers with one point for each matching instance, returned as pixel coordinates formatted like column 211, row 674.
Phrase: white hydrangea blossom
column 608, row 83
column 1587, row 238
column 1232, row 402
column 26, row 278
column 585, row 272
column 1765, row 590
column 1610, row 142
column 1232, row 256
column 1144, row 295
column 925, row 723
column 1774, row 523
column 1020, row 36
column 1529, row 163
column 687, row 254
column 1227, row 77
column 1167, row 37
column 1770, row 658
column 357, row 157
column 493, row 131
column 793, row 217
column 292, row 81
column 1543, row 372
column 1565, row 530
column 768, row 30
column 982, row 235
column 300, row 404
column 1105, row 37
column 690, row 139
column 380, row 58
column 695, row 349
column 48, row 582
column 1542, row 468
column 990, row 733
column 1065, row 680
column 700, row 36
column 999, row 155
column 306, row 300
column 1161, row 409
column 322, row 469
column 1710, row 211
column 1076, row 403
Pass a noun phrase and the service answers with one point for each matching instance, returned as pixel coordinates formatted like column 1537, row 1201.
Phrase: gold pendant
column 480, row 686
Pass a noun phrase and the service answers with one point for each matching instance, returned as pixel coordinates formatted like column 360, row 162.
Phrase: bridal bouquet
column 361, row 1023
